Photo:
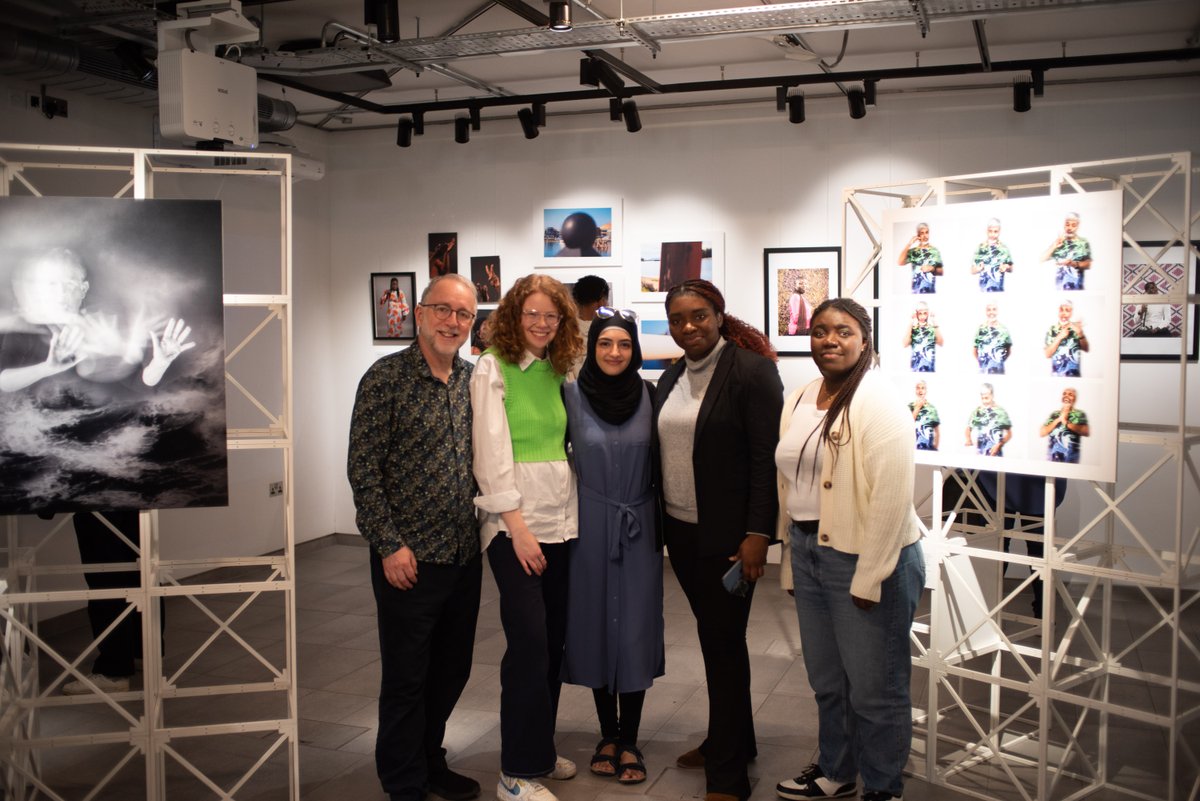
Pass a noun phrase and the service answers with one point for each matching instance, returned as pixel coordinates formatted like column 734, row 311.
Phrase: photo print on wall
column 112, row 355
column 393, row 297
column 443, row 256
column 586, row 233
column 1152, row 331
column 485, row 275
column 797, row 281
column 664, row 263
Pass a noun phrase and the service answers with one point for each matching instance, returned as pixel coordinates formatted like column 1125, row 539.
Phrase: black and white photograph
column 112, row 357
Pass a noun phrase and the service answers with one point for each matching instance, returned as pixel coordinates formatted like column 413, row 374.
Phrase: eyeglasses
column 442, row 312
column 608, row 312
column 551, row 318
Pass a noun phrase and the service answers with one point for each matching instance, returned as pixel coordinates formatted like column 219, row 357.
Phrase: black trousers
column 533, row 611
column 721, row 620
column 98, row 545
column 426, row 642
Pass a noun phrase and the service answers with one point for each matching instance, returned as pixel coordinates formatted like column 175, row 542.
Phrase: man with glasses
column 410, row 470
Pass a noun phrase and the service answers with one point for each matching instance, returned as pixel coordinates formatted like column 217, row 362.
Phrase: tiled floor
column 338, row 676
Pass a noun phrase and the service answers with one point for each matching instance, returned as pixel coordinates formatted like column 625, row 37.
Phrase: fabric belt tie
column 627, row 521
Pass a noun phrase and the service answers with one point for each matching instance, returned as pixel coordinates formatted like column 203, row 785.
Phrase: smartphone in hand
column 733, row 581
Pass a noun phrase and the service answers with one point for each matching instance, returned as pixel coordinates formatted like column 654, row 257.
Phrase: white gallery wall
column 742, row 170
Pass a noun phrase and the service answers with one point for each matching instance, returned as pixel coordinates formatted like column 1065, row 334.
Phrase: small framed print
column 1153, row 331
column 664, row 263
column 393, row 297
column 797, row 280
column 586, row 233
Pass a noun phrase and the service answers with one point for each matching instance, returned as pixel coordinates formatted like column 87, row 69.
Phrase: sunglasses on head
column 608, row 312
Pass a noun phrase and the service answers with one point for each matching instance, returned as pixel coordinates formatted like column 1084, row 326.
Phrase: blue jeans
column 858, row 661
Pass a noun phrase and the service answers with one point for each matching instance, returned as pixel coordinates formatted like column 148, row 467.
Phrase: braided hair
column 737, row 331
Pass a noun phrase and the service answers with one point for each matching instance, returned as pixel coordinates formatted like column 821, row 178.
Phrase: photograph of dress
column 112, row 356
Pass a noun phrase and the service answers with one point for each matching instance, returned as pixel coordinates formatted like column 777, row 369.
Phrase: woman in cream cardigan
column 845, row 460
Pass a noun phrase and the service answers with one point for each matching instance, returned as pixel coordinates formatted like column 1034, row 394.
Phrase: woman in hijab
column 615, row 607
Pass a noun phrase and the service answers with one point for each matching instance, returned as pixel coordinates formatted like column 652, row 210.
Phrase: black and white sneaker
column 813, row 784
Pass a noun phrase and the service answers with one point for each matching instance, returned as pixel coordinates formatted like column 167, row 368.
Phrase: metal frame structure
column 138, row 720
column 1022, row 707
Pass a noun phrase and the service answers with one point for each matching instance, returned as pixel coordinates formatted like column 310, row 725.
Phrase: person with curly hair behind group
column 528, row 496
column 715, row 414
column 845, row 482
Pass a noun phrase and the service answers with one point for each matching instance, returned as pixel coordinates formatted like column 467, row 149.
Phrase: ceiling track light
column 781, row 93
column 1022, row 95
column 1039, row 83
column 795, row 108
column 614, row 109
column 404, row 132
column 385, row 16
column 476, row 120
column 539, row 113
column 857, row 101
column 633, row 120
column 462, row 130
column 869, row 91
column 528, row 122
column 560, row 16
column 419, row 123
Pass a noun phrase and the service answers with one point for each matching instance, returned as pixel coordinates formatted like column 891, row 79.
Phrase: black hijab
column 613, row 397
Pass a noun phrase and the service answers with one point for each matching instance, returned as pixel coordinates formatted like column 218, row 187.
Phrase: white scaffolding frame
column 137, row 717
column 1020, row 707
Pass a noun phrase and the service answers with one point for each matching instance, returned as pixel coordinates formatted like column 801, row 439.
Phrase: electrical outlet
column 275, row 488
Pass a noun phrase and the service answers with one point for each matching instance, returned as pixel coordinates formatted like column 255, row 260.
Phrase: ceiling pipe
column 1036, row 66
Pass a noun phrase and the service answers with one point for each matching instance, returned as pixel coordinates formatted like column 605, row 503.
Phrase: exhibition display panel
column 224, row 370
column 1045, row 705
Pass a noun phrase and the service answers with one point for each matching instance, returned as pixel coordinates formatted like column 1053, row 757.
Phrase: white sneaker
column 563, row 769
column 105, row 683
column 510, row 788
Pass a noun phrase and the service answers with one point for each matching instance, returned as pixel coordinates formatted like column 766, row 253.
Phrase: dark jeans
column 98, row 545
column 721, row 620
column 426, row 642
column 533, row 611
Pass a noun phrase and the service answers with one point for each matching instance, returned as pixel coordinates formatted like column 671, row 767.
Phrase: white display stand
column 1012, row 706
column 139, row 721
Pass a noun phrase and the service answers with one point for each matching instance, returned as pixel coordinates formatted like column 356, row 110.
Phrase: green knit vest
column 537, row 419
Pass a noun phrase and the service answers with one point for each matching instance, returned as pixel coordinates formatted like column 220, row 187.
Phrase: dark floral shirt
column 410, row 460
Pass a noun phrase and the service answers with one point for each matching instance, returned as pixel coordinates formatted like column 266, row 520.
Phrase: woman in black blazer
column 716, row 416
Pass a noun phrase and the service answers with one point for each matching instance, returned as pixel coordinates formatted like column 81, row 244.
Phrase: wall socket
column 275, row 488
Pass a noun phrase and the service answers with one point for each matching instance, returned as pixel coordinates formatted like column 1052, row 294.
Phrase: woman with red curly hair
column 714, row 423
column 528, row 496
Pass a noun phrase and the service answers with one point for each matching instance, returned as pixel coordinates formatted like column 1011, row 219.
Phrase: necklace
column 825, row 395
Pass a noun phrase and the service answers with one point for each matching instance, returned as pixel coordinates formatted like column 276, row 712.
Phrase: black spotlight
column 588, row 76
column 528, row 123
column 869, row 91
column 614, row 109
column 476, row 120
column 781, row 94
column 1022, row 95
column 462, row 130
column 404, row 132
column 539, row 113
column 560, row 16
column 385, row 16
column 795, row 108
column 858, row 104
column 419, row 123
column 633, row 120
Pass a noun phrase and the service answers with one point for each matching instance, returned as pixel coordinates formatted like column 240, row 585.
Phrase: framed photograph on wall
column 1152, row 331
column 571, row 276
column 393, row 296
column 659, row 350
column 586, row 233
column 485, row 275
column 663, row 263
column 443, row 256
column 797, row 281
